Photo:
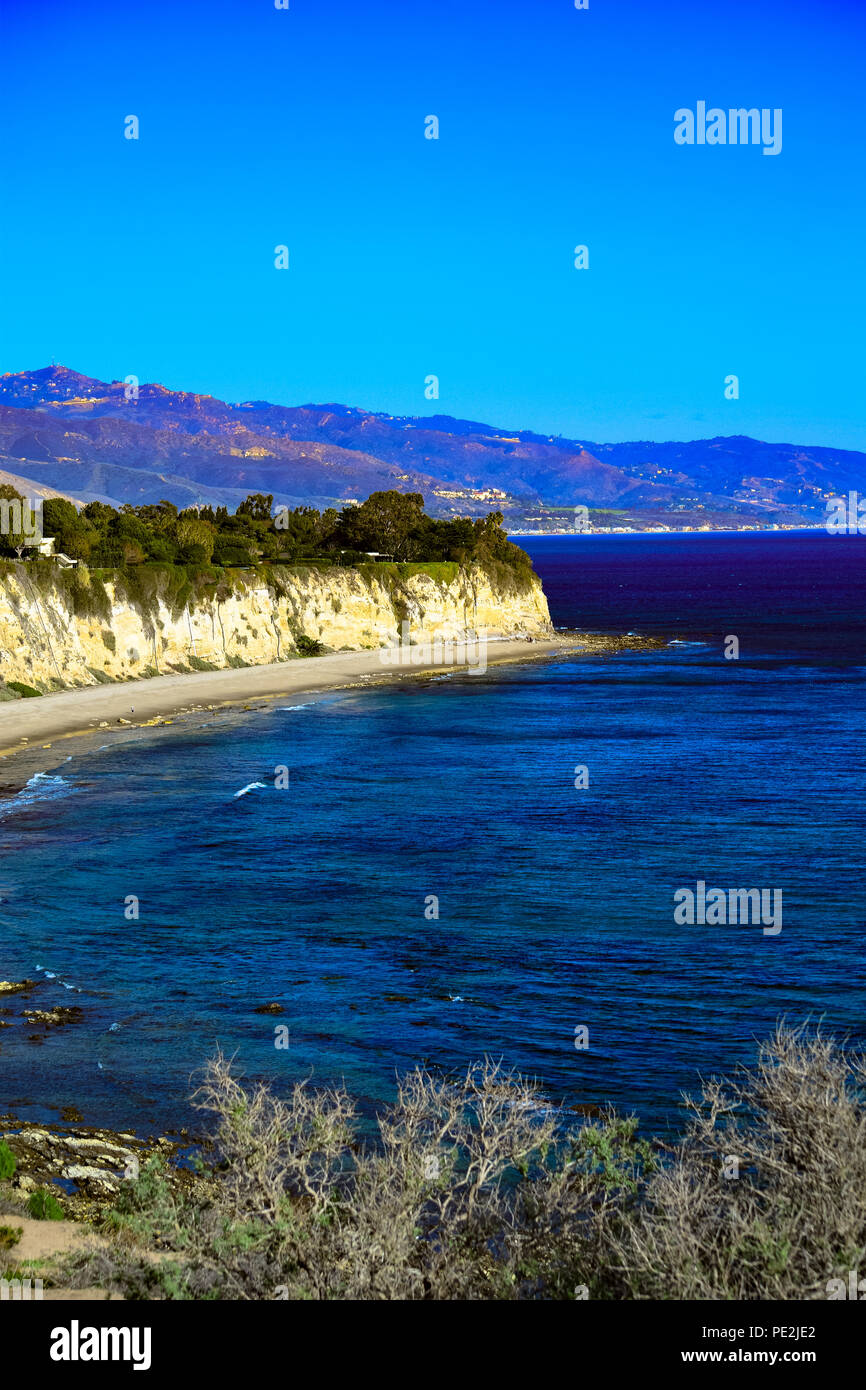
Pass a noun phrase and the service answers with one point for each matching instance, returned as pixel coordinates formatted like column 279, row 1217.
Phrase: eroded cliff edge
column 61, row 629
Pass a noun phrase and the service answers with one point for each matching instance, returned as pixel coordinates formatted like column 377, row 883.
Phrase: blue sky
column 411, row 257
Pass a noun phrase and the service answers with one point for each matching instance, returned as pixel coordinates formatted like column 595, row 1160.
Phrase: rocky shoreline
column 84, row 1165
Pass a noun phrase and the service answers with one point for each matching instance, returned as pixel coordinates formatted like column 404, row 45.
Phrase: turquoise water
column 555, row 903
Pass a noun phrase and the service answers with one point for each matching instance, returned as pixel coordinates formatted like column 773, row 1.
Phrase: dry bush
column 477, row 1189
column 795, row 1217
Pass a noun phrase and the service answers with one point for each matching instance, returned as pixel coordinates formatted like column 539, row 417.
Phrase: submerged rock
column 58, row 1017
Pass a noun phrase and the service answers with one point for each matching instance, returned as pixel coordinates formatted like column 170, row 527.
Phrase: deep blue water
column 555, row 904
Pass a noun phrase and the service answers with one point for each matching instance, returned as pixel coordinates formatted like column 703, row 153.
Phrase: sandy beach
column 30, row 730
column 26, row 726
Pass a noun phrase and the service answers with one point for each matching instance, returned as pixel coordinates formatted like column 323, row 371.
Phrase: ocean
column 432, row 886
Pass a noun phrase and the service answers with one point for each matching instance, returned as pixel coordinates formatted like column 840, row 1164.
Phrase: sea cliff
column 64, row 629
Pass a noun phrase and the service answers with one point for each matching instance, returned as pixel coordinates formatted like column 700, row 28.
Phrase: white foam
column 41, row 787
column 52, row 975
column 250, row 787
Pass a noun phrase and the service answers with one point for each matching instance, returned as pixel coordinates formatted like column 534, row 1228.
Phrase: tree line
column 392, row 525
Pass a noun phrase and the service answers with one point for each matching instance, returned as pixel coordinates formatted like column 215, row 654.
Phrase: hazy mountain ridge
column 82, row 435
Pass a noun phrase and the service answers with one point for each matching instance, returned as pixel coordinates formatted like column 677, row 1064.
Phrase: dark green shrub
column 7, row 1162
column 9, row 1236
column 44, row 1205
column 26, row 692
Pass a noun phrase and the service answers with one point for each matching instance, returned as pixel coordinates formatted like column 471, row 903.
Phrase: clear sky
column 411, row 257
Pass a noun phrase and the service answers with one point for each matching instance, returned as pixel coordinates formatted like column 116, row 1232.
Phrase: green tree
column 258, row 505
column 98, row 514
column 192, row 533
column 72, row 533
column 386, row 522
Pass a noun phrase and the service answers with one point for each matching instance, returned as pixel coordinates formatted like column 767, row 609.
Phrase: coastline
column 32, row 729
column 46, row 1149
column 669, row 531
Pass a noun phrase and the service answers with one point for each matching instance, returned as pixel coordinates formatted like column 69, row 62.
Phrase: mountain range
column 65, row 432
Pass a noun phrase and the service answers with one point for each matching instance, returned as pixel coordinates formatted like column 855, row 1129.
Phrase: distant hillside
column 30, row 489
column 81, row 436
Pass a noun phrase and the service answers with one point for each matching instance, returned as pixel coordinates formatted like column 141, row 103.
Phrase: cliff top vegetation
column 389, row 525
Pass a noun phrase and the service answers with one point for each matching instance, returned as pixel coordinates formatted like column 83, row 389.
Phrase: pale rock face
column 43, row 643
